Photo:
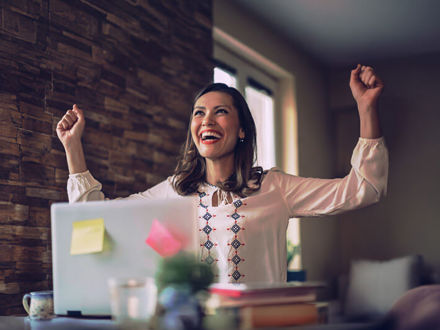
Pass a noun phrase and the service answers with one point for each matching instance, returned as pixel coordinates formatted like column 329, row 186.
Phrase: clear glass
column 133, row 301
column 222, row 76
column 262, row 109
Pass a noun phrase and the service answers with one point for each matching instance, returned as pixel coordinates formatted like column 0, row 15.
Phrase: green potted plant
column 180, row 280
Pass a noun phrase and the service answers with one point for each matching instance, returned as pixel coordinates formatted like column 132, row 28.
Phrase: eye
column 224, row 111
column 198, row 113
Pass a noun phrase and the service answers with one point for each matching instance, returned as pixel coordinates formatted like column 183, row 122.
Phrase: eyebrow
column 216, row 107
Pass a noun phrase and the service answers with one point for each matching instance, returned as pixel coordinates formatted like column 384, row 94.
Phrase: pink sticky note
column 162, row 241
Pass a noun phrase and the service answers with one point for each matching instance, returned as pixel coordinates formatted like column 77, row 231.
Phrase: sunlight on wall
column 290, row 156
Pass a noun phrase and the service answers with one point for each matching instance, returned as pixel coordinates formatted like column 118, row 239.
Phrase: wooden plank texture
column 132, row 66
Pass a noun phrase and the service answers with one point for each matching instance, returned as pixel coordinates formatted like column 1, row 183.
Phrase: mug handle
column 26, row 297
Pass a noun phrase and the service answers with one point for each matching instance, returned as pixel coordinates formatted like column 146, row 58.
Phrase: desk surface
column 65, row 323
column 59, row 323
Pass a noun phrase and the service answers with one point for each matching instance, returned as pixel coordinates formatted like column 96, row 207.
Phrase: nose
column 208, row 119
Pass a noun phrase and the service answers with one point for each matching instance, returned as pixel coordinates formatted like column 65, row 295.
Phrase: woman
column 243, row 211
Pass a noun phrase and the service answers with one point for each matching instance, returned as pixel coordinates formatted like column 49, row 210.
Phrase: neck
column 219, row 169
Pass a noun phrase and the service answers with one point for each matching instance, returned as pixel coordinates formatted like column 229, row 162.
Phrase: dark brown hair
column 191, row 167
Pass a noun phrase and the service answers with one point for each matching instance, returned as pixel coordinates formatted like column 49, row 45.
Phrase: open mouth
column 209, row 137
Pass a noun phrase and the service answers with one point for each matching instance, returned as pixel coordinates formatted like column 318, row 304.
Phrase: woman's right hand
column 71, row 127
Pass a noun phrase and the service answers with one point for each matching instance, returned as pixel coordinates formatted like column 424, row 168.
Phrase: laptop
column 80, row 278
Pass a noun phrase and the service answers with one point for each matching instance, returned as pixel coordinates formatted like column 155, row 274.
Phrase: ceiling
column 344, row 32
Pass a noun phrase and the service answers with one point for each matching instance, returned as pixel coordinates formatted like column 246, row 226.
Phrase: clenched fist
column 366, row 87
column 70, row 128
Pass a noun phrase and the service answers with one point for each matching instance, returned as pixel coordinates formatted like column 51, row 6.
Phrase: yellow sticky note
column 87, row 236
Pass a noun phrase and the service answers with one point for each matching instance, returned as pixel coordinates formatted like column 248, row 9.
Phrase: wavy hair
column 190, row 171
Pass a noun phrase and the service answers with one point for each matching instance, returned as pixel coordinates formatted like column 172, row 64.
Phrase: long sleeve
column 364, row 185
column 82, row 187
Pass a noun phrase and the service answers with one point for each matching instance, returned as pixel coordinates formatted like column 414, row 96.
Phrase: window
column 261, row 104
column 225, row 76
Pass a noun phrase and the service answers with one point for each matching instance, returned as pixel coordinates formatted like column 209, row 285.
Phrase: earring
column 241, row 140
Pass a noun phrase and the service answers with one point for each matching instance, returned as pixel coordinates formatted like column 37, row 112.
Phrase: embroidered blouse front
column 241, row 237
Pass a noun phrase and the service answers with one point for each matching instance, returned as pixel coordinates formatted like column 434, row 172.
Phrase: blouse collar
column 221, row 196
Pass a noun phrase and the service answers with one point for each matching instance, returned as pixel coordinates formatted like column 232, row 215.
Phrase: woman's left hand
column 366, row 87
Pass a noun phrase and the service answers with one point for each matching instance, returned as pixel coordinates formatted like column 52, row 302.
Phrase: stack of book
column 271, row 305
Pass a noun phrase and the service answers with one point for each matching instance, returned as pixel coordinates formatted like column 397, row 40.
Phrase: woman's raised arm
column 366, row 88
column 69, row 130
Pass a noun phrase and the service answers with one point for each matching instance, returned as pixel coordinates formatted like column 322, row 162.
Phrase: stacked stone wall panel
column 134, row 66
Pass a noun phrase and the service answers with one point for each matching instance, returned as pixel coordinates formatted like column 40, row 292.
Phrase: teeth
column 211, row 134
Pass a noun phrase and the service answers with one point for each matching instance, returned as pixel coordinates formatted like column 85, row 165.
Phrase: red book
column 241, row 290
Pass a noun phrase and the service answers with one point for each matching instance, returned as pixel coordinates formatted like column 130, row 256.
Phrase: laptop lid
column 80, row 280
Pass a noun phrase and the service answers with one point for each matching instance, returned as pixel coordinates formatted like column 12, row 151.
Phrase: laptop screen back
column 80, row 280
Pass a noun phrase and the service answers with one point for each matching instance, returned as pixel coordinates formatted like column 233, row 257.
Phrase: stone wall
column 132, row 65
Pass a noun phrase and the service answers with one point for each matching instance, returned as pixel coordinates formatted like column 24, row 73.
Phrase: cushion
column 375, row 285
column 417, row 309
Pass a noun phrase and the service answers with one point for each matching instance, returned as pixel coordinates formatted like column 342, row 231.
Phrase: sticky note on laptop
column 162, row 240
column 87, row 236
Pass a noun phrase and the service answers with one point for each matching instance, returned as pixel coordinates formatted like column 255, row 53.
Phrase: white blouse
column 246, row 238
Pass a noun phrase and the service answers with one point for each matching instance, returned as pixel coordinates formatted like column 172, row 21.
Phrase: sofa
column 387, row 294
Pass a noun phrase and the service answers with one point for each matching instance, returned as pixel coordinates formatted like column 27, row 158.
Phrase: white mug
column 41, row 305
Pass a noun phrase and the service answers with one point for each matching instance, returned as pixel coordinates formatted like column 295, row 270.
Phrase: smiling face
column 215, row 126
